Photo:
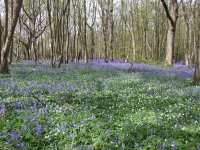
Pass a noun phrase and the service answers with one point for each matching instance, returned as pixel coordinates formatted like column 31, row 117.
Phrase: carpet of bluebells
column 111, row 106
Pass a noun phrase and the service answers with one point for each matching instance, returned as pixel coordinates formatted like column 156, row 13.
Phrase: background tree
column 129, row 30
column 197, row 48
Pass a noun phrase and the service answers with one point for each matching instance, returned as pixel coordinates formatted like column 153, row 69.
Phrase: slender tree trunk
column 12, row 44
column 133, row 34
column 105, row 19
column 6, row 19
column 74, row 40
column 112, row 24
column 196, row 76
column 49, row 2
column 67, row 43
column 0, row 38
column 92, row 43
column 85, row 33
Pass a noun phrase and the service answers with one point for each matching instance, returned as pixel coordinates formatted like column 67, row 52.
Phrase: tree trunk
column 0, row 38
column 196, row 76
column 85, row 33
column 92, row 43
column 170, row 46
column 6, row 20
column 12, row 44
column 9, row 38
column 132, row 24
column 172, row 15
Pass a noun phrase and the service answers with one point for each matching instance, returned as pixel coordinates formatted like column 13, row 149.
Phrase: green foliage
column 81, row 107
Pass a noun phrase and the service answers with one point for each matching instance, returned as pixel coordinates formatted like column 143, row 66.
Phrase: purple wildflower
column 3, row 111
column 21, row 145
column 63, row 127
column 35, row 105
column 74, row 124
column 44, row 109
column 15, row 135
column 136, row 145
column 39, row 129
column 19, row 105
column 73, row 136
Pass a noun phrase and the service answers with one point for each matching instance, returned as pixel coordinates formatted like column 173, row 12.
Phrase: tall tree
column 9, row 38
column 11, row 18
column 1, row 31
column 132, row 29
column 172, row 15
column 112, row 24
column 104, row 6
column 196, row 77
column 90, row 25
column 85, row 32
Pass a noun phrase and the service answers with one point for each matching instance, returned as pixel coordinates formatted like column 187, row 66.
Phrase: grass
column 98, row 107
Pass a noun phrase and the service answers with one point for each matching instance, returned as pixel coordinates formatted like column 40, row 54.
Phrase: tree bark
column 85, row 33
column 9, row 38
column 5, row 20
column 196, row 76
column 172, row 16
column 0, row 38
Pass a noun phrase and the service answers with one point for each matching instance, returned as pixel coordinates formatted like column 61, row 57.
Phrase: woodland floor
column 99, row 106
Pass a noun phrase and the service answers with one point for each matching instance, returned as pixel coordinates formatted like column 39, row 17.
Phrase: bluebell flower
column 73, row 136
column 15, row 89
column 21, row 145
column 63, row 127
column 44, row 109
column 15, row 135
column 74, row 124
column 2, row 134
column 39, row 129
column 136, row 145
column 3, row 109
column 8, row 141
column 19, row 105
